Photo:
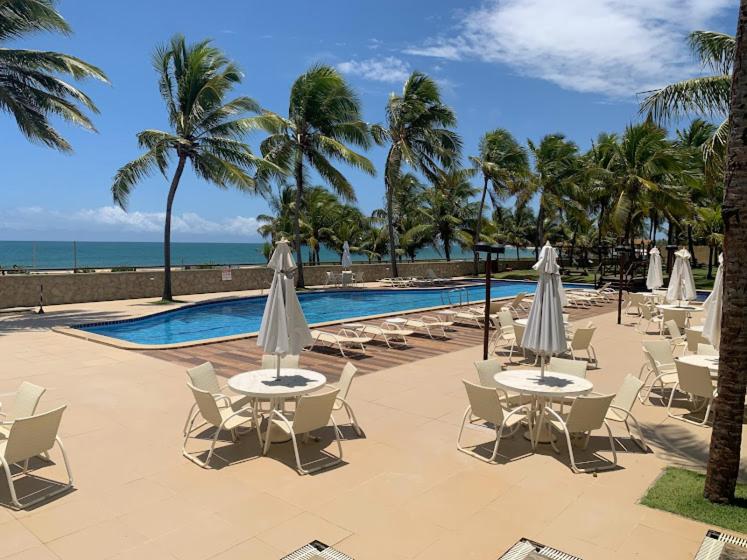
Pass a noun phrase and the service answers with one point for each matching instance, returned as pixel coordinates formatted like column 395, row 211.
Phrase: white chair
column 516, row 342
column 25, row 401
column 581, row 340
column 660, row 364
column 29, row 437
column 516, row 305
column 429, row 324
column 312, row 412
column 204, row 378
column 485, row 404
column 343, row 386
column 588, row 413
column 694, row 337
column 650, row 315
column 696, row 381
column 622, row 405
column 227, row 417
column 676, row 338
column 707, row 349
column 486, row 370
column 679, row 316
column 571, row 367
column 270, row 361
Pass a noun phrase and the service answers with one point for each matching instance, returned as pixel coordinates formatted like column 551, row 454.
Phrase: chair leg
column 11, row 487
column 671, row 398
column 353, row 420
column 189, row 417
column 642, row 444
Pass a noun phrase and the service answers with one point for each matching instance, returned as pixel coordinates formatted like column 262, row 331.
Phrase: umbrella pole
column 542, row 365
column 277, row 364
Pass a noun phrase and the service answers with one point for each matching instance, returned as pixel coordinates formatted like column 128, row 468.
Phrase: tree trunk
column 599, row 235
column 691, row 244
column 297, row 219
column 390, row 210
column 540, row 229
column 726, row 437
column 478, row 226
column 711, row 249
column 518, row 255
column 167, row 294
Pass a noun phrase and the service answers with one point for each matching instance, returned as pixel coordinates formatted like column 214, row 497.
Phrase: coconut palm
column 418, row 133
column 324, row 114
column 30, row 87
column 726, row 436
column 503, row 163
column 194, row 80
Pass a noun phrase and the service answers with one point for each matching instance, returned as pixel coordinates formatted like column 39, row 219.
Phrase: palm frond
column 135, row 171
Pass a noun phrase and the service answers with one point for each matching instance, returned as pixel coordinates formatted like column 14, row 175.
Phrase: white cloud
column 614, row 47
column 387, row 69
column 114, row 220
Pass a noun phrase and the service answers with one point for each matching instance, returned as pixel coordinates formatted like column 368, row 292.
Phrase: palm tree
column 709, row 227
column 194, row 80
column 30, row 89
column 502, row 162
column 279, row 223
column 324, row 114
column 417, row 130
column 726, row 436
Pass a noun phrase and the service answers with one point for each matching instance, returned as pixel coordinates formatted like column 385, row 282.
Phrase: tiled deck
column 404, row 492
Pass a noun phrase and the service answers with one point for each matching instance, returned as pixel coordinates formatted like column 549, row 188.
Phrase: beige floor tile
column 647, row 543
column 157, row 518
column 97, row 541
column 259, row 513
column 68, row 516
column 253, row 549
column 293, row 533
column 15, row 538
column 211, row 535
column 35, row 553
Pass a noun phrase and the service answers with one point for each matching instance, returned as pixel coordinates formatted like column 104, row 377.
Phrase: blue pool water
column 244, row 315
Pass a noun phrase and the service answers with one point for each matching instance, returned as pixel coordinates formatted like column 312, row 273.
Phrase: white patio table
column 702, row 360
column 543, row 391
column 265, row 384
column 687, row 307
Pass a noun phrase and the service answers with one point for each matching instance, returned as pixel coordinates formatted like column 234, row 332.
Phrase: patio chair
column 635, row 300
column 469, row 317
column 313, row 412
column 25, row 401
column 694, row 338
column 588, row 413
column 329, row 279
column 679, row 316
column 270, row 361
column 622, row 405
column 581, row 340
column 516, row 305
column 660, row 364
column 705, row 349
column 649, row 314
column 429, row 324
column 389, row 332
column 696, row 381
column 486, row 370
column 204, row 378
column 571, row 367
column 227, row 418
column 516, row 342
column 486, row 404
column 503, row 336
column 343, row 386
column 29, row 437
column 676, row 338
column 345, row 338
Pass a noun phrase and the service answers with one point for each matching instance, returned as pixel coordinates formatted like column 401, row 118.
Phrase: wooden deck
column 232, row 357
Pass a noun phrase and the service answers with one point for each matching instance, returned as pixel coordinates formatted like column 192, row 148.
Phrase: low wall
column 22, row 290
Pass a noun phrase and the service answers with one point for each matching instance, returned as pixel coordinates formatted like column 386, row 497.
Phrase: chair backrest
column 27, row 399
column 270, row 361
column 207, row 405
column 505, row 319
column 587, row 413
column 519, row 333
column 313, row 411
column 648, row 312
column 571, row 367
column 33, row 435
column 660, row 351
column 694, row 338
column 695, row 380
column 707, row 349
column 486, row 369
column 679, row 316
column 635, row 298
column 673, row 328
column 484, row 402
column 582, row 338
column 346, row 379
column 495, row 307
column 204, row 378
column 628, row 392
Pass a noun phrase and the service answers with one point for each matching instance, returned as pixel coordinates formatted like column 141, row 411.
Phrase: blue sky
column 531, row 66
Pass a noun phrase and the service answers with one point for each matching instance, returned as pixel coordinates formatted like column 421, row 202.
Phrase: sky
column 533, row 67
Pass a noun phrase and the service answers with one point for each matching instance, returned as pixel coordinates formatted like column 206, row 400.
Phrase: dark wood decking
column 232, row 357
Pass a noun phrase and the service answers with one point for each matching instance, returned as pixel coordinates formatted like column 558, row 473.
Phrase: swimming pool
column 244, row 315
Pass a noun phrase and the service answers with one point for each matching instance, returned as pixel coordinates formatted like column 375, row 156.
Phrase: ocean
column 108, row 254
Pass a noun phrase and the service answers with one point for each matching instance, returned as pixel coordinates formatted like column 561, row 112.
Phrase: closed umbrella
column 712, row 306
column 545, row 332
column 681, row 282
column 347, row 262
column 284, row 329
column 654, row 279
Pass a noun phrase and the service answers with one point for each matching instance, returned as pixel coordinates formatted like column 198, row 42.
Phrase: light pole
column 490, row 250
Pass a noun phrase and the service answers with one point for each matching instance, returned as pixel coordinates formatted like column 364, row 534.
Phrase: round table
column 702, row 360
column 265, row 384
column 688, row 308
column 553, row 385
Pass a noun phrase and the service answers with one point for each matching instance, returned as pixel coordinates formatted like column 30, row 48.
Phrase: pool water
column 244, row 315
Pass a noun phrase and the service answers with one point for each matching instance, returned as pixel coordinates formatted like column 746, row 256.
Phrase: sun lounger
column 396, row 282
column 516, row 305
column 388, row 331
column 345, row 338
column 428, row 323
column 470, row 317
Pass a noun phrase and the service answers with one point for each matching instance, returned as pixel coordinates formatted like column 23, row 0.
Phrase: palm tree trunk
column 297, row 219
column 540, row 228
column 390, row 212
column 726, row 437
column 478, row 225
column 710, row 262
column 167, row 293
column 691, row 244
column 599, row 234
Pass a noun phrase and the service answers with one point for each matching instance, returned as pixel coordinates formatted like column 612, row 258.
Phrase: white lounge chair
column 485, row 404
column 343, row 386
column 516, row 305
column 345, row 338
column 429, row 324
column 204, row 378
column 313, row 412
column 469, row 317
column 30, row 437
column 697, row 382
column 25, row 401
column 389, row 332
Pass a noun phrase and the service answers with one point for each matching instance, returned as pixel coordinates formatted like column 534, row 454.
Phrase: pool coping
column 77, row 332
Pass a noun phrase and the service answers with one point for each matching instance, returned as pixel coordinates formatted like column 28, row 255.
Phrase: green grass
column 701, row 282
column 681, row 491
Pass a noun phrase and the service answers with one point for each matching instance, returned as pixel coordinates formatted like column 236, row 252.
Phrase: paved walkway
column 404, row 492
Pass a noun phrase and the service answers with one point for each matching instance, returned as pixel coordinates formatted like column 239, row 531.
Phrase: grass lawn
column 681, row 491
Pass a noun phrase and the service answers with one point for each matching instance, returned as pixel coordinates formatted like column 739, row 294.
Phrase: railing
column 461, row 293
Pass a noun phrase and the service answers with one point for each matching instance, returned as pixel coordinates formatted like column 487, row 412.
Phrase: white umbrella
column 347, row 261
column 681, row 282
column 654, row 279
column 545, row 332
column 284, row 329
column 712, row 306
